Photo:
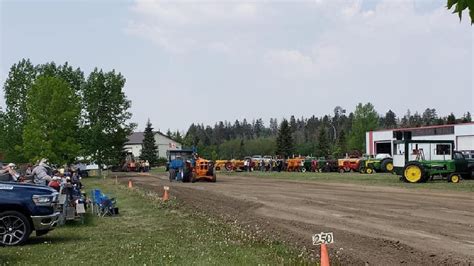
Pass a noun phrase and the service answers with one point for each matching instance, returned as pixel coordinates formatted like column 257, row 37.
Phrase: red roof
column 412, row 128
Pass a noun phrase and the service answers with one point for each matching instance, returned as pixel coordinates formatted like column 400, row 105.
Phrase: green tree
column 150, row 150
column 106, row 116
column 451, row 119
column 52, row 121
column 16, row 87
column 284, row 142
column 390, row 120
column 460, row 6
column 341, row 147
column 323, row 146
column 429, row 117
column 467, row 118
column 177, row 137
column 365, row 119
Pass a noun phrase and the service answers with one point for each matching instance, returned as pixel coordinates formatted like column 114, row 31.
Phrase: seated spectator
column 55, row 182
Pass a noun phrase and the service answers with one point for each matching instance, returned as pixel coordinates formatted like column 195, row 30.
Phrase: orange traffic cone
column 130, row 184
column 324, row 255
column 165, row 194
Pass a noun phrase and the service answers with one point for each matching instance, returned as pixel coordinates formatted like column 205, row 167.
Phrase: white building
column 164, row 143
column 381, row 141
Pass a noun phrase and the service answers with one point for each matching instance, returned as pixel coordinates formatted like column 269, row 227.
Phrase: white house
column 164, row 143
column 381, row 141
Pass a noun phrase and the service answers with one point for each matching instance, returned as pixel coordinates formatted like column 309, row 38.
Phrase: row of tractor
column 365, row 165
column 413, row 160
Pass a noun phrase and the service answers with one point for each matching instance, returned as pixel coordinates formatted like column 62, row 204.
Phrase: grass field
column 147, row 232
column 357, row 178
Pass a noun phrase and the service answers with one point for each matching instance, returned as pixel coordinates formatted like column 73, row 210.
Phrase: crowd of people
column 43, row 174
column 138, row 166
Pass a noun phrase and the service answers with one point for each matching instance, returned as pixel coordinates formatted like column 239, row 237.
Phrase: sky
column 207, row 61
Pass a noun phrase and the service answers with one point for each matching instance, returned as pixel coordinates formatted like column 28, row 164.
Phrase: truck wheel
column 172, row 175
column 454, row 178
column 387, row 165
column 14, row 228
column 414, row 173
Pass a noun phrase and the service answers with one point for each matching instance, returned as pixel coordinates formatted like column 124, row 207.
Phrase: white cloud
column 339, row 45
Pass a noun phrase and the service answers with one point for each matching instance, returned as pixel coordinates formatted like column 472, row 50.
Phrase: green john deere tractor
column 372, row 165
column 422, row 160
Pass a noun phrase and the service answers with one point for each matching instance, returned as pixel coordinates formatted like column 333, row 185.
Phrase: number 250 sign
column 323, row 238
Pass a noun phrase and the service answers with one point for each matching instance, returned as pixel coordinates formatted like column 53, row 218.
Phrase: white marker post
column 322, row 239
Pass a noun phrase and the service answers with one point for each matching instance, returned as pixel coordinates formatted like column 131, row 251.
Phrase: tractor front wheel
column 387, row 165
column 369, row 170
column 362, row 170
column 414, row 173
column 454, row 178
column 214, row 178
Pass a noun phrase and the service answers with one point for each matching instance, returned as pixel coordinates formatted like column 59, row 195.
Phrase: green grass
column 159, row 169
column 147, row 231
column 357, row 178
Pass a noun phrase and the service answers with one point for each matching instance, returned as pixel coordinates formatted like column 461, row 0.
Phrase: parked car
column 25, row 208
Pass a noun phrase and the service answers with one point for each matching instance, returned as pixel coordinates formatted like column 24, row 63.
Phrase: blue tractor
column 180, row 165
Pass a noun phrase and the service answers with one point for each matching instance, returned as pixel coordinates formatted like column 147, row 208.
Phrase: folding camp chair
column 102, row 204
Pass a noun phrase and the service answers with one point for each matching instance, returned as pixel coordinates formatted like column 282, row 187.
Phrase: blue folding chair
column 102, row 204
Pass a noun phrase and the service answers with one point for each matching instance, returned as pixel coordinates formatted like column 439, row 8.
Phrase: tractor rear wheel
column 228, row 166
column 172, row 175
column 387, row 165
column 454, row 178
column 414, row 173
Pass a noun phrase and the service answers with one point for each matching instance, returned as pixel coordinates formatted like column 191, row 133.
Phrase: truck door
column 460, row 162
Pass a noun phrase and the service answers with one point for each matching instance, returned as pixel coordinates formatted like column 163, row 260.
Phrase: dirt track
column 374, row 225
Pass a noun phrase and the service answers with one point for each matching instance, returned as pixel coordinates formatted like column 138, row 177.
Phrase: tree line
column 56, row 112
column 331, row 135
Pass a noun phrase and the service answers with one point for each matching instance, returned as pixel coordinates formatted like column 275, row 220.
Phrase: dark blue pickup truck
column 25, row 208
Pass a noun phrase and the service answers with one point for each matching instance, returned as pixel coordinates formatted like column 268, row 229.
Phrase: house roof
column 137, row 137
column 423, row 127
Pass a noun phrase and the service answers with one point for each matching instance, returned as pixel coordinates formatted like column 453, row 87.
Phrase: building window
column 443, row 149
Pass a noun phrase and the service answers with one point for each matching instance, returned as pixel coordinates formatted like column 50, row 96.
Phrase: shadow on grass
column 56, row 239
column 9, row 259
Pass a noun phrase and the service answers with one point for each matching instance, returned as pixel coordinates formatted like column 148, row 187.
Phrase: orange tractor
column 349, row 165
column 295, row 165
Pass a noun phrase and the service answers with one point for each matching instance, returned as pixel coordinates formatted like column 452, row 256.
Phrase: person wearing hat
column 9, row 170
column 40, row 173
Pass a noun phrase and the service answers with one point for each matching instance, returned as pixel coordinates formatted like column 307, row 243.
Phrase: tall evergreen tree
column 390, row 120
column 285, row 145
column 467, row 118
column 323, row 145
column 429, row 117
column 451, row 119
column 149, row 150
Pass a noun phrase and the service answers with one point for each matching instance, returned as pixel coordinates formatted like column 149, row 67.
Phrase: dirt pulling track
column 371, row 224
